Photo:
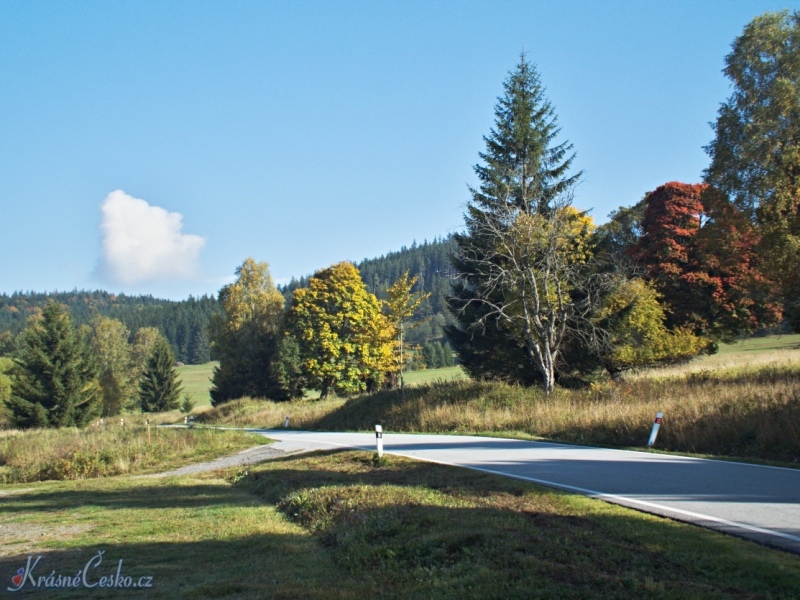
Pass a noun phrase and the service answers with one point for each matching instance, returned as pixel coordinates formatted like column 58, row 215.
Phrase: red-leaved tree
column 700, row 252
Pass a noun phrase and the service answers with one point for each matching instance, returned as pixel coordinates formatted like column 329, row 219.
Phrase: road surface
column 752, row 501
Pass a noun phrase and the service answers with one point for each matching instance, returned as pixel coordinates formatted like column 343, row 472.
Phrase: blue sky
column 150, row 147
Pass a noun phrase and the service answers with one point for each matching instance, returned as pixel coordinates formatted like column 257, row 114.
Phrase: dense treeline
column 430, row 263
column 183, row 323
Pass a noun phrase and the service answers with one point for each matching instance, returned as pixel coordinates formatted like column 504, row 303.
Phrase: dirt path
column 250, row 456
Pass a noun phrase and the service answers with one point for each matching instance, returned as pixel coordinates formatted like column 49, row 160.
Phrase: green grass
column 412, row 378
column 332, row 525
column 196, row 380
column 762, row 344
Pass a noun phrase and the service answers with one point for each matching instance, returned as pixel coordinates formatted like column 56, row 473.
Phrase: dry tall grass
column 100, row 451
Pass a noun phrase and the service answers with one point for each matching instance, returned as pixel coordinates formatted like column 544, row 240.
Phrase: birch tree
column 538, row 284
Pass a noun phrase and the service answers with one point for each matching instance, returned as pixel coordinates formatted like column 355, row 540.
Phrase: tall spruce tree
column 55, row 381
column 159, row 388
column 522, row 169
column 199, row 347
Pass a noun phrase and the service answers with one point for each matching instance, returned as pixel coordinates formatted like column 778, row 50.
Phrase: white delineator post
column 656, row 426
column 286, row 422
column 379, row 439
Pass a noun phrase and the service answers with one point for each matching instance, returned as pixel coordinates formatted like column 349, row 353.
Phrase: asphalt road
column 751, row 501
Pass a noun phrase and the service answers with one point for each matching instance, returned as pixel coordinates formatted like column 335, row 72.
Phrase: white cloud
column 143, row 242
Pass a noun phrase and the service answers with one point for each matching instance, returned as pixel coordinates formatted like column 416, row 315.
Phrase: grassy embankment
column 743, row 402
column 111, row 449
column 332, row 525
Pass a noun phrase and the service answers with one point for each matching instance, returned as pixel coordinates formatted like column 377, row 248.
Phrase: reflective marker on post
column 656, row 426
column 379, row 439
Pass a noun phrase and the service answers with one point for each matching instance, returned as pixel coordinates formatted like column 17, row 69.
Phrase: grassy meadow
column 196, row 380
column 334, row 525
column 743, row 402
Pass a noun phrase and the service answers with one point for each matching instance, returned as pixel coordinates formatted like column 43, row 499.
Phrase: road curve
column 756, row 502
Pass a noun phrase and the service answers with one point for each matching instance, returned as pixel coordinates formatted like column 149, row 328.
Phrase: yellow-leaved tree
column 401, row 304
column 638, row 337
column 345, row 342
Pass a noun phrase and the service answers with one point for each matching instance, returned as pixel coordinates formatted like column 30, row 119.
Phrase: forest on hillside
column 185, row 323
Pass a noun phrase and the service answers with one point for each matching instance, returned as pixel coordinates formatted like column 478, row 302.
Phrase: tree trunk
column 326, row 386
column 546, row 363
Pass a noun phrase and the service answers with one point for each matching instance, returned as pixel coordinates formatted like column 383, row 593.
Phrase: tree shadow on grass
column 144, row 496
column 251, row 566
column 368, row 546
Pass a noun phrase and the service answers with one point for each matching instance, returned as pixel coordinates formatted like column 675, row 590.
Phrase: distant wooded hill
column 185, row 320
column 179, row 321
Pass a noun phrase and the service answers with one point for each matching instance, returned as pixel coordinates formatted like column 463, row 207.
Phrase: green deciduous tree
column 758, row 128
column 246, row 337
column 144, row 340
column 6, row 365
column 54, row 381
column 117, row 374
column 159, row 387
column 621, row 233
column 755, row 155
column 345, row 342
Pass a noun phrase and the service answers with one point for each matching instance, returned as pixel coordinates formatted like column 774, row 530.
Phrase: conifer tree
column 521, row 170
column 55, row 382
column 159, row 388
column 199, row 347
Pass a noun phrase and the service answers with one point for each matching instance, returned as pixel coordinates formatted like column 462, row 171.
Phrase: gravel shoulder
column 250, row 456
